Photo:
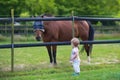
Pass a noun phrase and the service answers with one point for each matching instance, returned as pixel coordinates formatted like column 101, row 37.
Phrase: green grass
column 33, row 64
column 17, row 38
column 89, row 72
column 26, row 38
column 107, row 36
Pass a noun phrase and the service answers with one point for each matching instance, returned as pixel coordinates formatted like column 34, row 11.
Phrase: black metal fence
column 57, row 43
column 12, row 45
column 24, row 29
column 27, row 29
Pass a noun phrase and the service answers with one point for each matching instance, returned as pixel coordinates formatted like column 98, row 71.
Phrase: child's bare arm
column 75, row 55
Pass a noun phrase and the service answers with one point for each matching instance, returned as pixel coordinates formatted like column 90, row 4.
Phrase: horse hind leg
column 54, row 49
column 87, row 49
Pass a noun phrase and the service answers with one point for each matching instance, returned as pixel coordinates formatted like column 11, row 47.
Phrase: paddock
column 12, row 45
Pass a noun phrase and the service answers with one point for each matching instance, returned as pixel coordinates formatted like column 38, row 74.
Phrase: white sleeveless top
column 75, row 51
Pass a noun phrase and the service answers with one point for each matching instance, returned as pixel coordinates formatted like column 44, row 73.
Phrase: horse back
column 62, row 31
column 58, row 31
column 65, row 30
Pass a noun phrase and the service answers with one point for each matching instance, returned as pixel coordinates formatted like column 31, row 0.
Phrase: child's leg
column 76, row 67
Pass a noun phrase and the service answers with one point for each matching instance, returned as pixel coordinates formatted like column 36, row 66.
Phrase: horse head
column 38, row 29
column 39, row 26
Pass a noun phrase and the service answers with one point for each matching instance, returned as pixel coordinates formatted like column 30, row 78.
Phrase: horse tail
column 91, row 35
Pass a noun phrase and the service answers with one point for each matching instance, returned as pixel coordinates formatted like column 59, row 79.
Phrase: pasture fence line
column 57, row 43
column 13, row 19
column 28, row 29
column 59, row 19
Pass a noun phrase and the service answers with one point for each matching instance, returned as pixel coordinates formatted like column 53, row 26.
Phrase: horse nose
column 38, row 38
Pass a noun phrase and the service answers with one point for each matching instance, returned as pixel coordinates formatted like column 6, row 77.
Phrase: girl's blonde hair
column 75, row 42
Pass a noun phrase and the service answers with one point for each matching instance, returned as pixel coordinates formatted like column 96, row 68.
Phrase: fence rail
column 59, row 18
column 29, row 29
column 57, row 43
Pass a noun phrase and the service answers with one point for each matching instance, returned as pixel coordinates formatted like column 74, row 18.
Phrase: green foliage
column 36, row 7
column 3, row 38
column 61, row 7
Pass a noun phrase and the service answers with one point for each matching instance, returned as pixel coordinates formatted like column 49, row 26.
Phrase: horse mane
column 47, row 15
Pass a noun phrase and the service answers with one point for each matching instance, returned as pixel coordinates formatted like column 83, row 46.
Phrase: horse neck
column 46, row 23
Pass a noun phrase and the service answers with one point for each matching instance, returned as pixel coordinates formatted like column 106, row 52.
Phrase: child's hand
column 71, row 62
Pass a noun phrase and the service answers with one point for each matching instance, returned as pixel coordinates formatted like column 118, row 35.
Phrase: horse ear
column 48, row 15
column 42, row 15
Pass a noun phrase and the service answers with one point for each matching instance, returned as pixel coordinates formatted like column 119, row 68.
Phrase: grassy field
column 31, row 38
column 33, row 64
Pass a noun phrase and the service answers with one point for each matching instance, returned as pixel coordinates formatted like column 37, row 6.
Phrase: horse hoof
column 89, row 59
column 89, row 63
column 51, row 65
column 55, row 64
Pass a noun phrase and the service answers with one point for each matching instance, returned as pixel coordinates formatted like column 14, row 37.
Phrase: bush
column 17, row 38
column 3, row 38
column 21, row 38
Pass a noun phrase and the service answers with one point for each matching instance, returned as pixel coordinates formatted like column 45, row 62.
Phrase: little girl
column 75, row 59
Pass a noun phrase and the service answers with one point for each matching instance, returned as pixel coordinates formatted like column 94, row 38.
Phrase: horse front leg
column 50, row 53
column 54, row 49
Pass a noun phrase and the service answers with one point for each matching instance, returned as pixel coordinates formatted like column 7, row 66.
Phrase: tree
column 37, row 7
column 33, row 7
column 88, row 7
column 6, row 6
column 61, row 7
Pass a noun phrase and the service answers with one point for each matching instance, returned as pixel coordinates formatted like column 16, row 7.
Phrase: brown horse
column 58, row 31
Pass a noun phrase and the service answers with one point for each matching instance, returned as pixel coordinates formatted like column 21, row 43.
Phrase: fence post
column 73, row 32
column 5, row 28
column 12, row 40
